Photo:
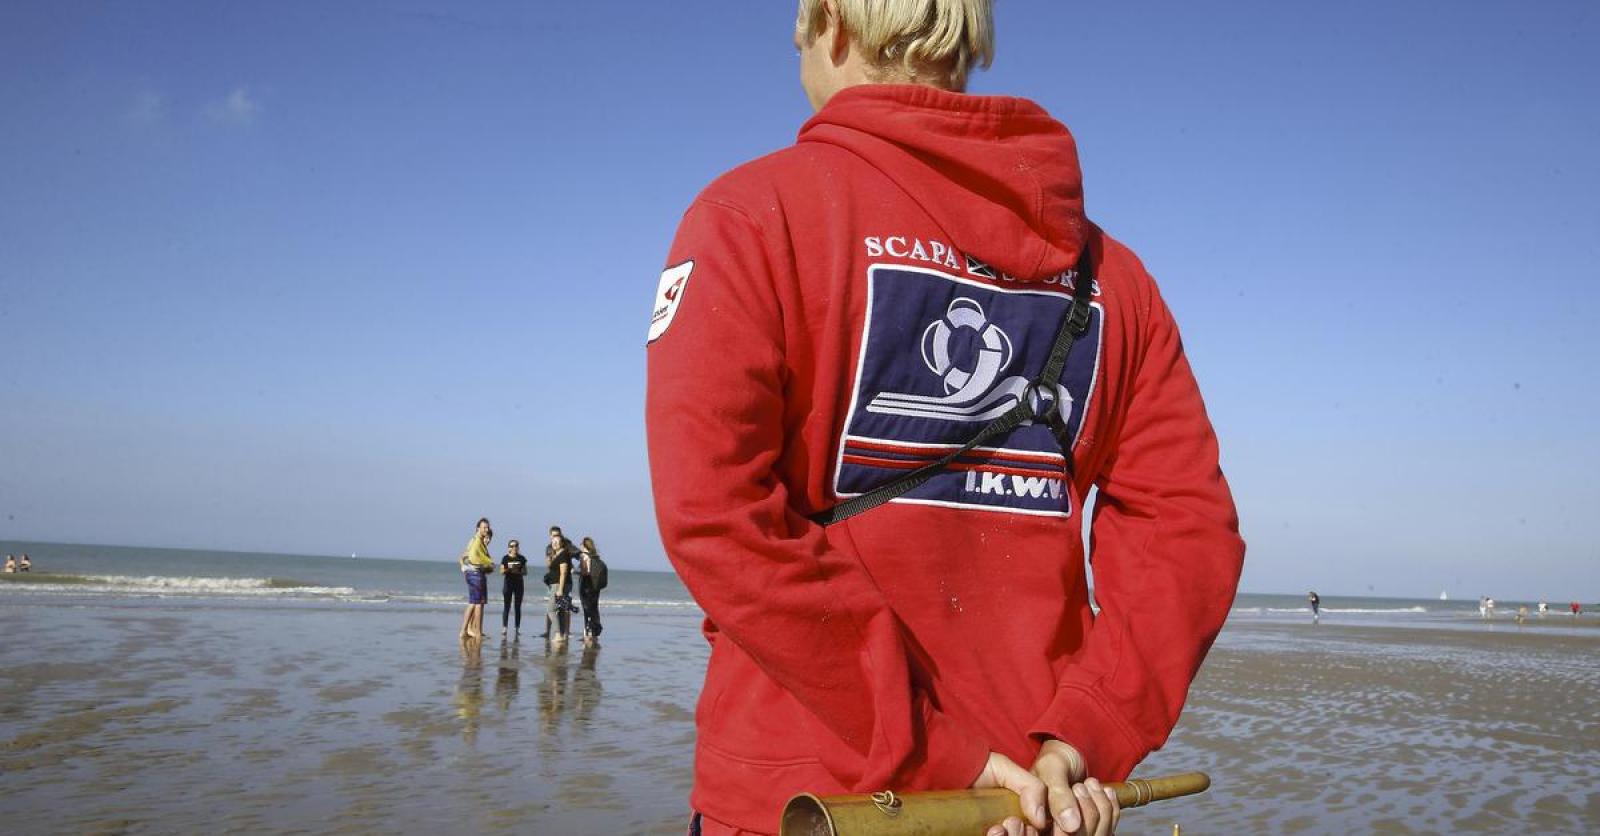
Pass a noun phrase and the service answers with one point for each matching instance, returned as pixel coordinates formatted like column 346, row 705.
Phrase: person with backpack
column 591, row 580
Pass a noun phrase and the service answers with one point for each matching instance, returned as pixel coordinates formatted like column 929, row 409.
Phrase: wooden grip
column 962, row 812
column 1137, row 792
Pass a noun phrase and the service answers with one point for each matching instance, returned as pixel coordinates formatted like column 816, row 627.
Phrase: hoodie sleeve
column 1166, row 558
column 805, row 612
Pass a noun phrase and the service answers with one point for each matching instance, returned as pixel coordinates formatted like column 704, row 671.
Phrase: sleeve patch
column 669, row 294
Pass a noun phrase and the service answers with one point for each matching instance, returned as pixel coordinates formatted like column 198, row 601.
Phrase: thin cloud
column 237, row 108
column 149, row 108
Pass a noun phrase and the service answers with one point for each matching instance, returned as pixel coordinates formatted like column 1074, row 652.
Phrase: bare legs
column 472, row 622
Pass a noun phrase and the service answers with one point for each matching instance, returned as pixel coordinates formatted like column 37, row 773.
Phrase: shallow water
column 258, row 719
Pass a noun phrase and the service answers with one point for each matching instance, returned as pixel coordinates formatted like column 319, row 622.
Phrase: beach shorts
column 477, row 588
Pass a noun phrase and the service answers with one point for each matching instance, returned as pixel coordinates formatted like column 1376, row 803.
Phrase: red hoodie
column 845, row 309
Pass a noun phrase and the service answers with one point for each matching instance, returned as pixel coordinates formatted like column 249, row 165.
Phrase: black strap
column 1042, row 389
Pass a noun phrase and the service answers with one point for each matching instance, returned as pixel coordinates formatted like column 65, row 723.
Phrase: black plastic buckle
column 1078, row 320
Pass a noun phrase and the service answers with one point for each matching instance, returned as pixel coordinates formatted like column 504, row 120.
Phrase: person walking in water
column 513, row 567
column 24, row 565
column 476, row 564
column 591, row 579
column 1316, row 606
column 11, row 564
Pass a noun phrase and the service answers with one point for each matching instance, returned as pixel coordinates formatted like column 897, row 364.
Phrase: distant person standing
column 1316, row 606
column 1489, row 606
column 558, row 557
column 1577, row 609
column 24, row 564
column 513, row 567
column 476, row 564
column 11, row 565
column 591, row 579
column 1544, row 608
column 1483, row 606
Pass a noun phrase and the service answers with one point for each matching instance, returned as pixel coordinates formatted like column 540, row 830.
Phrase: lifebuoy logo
column 669, row 294
column 943, row 355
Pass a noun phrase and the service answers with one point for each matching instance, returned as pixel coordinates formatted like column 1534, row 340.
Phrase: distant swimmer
column 1316, row 606
column 11, row 565
column 24, row 564
column 513, row 567
column 475, row 565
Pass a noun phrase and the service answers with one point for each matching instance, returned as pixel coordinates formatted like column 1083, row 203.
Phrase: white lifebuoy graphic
column 993, row 354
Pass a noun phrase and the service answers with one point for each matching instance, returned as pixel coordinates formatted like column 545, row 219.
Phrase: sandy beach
column 163, row 705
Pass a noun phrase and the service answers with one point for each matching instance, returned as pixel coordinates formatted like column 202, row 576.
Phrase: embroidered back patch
column 942, row 356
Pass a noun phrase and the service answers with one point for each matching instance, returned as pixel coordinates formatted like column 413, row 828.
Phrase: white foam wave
column 156, row 585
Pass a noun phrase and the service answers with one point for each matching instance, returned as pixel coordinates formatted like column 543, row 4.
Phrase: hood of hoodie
column 998, row 174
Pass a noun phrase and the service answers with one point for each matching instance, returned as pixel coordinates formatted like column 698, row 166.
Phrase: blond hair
column 944, row 39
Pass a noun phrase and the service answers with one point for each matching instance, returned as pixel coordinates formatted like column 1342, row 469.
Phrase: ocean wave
column 275, row 588
column 157, row 585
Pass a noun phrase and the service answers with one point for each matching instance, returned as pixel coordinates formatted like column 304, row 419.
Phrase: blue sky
column 325, row 278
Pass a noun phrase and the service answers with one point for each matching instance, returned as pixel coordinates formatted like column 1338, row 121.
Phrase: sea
column 179, row 577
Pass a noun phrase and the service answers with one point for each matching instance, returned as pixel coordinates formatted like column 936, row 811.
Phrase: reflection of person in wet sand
column 553, row 693
column 469, row 693
column 585, row 687
column 506, row 682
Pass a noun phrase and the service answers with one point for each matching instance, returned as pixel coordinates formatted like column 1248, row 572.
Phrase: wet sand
column 214, row 716
column 203, row 719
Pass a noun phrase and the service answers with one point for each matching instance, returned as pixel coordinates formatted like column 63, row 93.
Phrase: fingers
column 1012, row 827
column 1001, row 771
column 1058, row 766
column 1104, row 804
column 1087, row 809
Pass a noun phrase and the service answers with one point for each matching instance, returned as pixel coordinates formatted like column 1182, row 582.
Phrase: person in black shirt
column 591, row 579
column 513, row 567
column 558, row 557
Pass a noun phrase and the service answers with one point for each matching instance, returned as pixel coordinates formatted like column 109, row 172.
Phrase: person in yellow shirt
column 476, row 564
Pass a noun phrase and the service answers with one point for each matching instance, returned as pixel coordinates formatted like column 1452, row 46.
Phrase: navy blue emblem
column 941, row 357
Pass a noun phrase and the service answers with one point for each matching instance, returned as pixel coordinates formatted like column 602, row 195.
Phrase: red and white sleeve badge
column 669, row 294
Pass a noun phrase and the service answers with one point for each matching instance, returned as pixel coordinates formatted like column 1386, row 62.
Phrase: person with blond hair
column 476, row 564
column 888, row 354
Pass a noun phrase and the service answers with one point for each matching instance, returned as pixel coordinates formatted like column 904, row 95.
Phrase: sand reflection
column 568, row 691
column 507, row 680
column 469, row 691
